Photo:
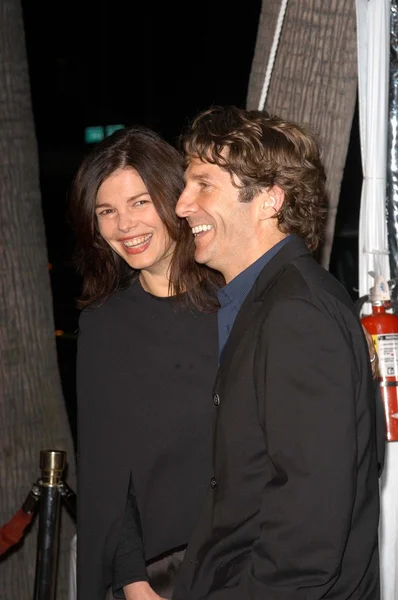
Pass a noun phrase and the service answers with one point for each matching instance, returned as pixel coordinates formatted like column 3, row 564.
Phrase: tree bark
column 314, row 80
column 32, row 410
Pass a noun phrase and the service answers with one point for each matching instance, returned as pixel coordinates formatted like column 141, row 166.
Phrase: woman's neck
column 157, row 284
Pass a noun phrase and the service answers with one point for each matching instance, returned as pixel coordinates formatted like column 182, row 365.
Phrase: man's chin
column 201, row 258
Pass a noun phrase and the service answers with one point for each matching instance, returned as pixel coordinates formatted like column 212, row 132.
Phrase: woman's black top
column 145, row 370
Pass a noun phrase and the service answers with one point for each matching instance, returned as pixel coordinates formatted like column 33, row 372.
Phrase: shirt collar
column 237, row 289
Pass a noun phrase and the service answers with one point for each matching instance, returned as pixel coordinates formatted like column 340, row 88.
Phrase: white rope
column 272, row 56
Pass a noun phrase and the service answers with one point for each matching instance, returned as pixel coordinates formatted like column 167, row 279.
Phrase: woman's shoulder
column 108, row 308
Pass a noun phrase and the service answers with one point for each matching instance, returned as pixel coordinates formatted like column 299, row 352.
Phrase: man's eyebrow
column 199, row 176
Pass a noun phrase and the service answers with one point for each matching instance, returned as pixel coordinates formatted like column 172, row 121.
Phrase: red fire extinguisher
column 383, row 327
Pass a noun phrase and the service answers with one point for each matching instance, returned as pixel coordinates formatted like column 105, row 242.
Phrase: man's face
column 225, row 230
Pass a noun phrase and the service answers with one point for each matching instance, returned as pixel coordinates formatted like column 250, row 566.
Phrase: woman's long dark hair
column 161, row 168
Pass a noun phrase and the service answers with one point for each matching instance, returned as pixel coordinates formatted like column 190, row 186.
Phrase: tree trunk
column 314, row 80
column 32, row 410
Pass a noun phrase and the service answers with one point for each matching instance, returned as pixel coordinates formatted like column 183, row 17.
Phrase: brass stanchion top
column 52, row 465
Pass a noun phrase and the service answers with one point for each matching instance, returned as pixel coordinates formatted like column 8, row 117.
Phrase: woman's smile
column 137, row 244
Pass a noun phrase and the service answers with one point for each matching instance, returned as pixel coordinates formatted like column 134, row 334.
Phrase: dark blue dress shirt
column 232, row 296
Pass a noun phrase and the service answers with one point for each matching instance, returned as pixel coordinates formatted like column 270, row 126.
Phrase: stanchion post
column 52, row 465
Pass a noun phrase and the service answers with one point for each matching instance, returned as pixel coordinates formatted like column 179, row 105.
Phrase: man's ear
column 272, row 200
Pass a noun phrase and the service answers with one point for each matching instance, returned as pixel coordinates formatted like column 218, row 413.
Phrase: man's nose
column 185, row 205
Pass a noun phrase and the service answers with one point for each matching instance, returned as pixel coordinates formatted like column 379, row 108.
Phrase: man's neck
column 250, row 257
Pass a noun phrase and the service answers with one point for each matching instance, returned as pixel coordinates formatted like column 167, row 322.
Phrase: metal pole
column 52, row 464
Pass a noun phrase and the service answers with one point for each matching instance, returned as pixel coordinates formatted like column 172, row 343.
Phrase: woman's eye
column 140, row 202
column 106, row 211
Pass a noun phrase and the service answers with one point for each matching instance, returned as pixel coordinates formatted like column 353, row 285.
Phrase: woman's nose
column 126, row 222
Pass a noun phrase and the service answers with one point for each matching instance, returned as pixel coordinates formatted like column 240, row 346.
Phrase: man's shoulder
column 304, row 278
column 306, row 297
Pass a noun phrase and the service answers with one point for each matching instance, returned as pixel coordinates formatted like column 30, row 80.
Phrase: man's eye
column 204, row 185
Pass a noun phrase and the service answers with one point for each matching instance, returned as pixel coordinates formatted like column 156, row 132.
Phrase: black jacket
column 145, row 367
column 292, row 508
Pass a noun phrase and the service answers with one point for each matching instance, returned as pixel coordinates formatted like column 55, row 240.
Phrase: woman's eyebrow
column 107, row 205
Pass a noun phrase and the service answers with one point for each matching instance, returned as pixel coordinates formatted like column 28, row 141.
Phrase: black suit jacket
column 292, row 509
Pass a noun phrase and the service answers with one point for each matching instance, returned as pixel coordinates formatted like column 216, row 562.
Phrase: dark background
column 155, row 64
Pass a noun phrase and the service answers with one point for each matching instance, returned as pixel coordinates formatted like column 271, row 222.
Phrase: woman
column 147, row 355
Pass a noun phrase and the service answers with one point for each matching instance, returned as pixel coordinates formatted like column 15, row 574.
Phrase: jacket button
column 216, row 399
column 213, row 482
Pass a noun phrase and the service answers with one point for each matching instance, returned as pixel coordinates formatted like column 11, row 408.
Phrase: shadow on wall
column 344, row 257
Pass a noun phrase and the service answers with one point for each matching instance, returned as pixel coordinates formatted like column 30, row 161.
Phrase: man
column 292, row 509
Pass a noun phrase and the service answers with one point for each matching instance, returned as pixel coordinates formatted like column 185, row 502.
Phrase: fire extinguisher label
column 387, row 349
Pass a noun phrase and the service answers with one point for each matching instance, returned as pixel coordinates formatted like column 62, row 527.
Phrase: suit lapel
column 253, row 302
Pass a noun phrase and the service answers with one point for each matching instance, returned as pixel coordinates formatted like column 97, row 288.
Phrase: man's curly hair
column 262, row 151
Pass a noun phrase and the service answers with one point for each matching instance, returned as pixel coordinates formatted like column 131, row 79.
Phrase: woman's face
column 129, row 223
